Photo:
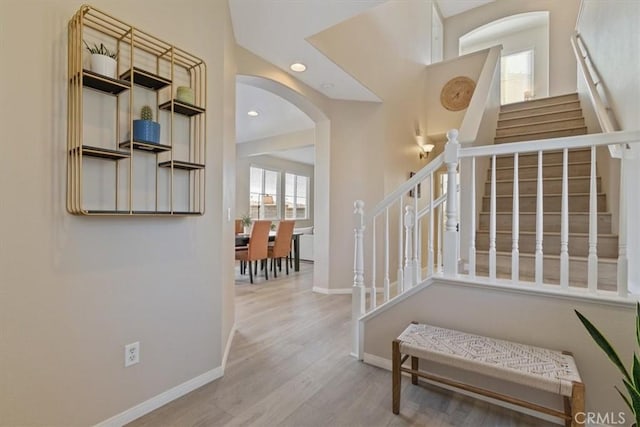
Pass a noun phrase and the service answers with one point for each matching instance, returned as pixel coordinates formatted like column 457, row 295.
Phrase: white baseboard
column 327, row 291
column 381, row 362
column 161, row 399
column 227, row 348
column 341, row 291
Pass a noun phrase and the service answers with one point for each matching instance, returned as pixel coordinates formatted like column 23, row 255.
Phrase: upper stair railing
column 412, row 238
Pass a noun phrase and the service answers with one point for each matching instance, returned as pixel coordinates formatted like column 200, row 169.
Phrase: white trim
column 227, row 348
column 383, row 363
column 161, row 399
column 327, row 291
column 394, row 301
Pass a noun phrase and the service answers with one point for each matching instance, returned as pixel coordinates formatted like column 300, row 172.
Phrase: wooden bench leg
column 414, row 366
column 577, row 404
column 396, row 378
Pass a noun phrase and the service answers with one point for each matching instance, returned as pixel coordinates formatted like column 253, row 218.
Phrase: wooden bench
column 536, row 367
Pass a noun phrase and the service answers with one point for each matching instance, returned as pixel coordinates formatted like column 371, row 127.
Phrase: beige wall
column 274, row 163
column 544, row 320
column 74, row 290
column 610, row 34
column 562, row 20
column 533, row 38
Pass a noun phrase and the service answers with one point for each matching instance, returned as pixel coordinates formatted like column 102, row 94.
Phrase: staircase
column 553, row 117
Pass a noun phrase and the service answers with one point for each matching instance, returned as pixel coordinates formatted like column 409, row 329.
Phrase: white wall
column 75, row 290
column 533, row 38
column 542, row 320
column 610, row 34
column 274, row 163
column 562, row 19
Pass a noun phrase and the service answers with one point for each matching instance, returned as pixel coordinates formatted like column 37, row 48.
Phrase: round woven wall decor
column 457, row 93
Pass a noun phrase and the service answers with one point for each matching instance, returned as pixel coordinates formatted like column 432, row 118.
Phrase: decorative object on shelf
column 456, row 93
column 419, row 186
column 103, row 61
column 145, row 129
column 185, row 94
column 246, row 223
column 631, row 380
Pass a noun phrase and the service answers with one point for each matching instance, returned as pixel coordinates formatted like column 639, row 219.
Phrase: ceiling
column 277, row 30
column 303, row 155
column 277, row 116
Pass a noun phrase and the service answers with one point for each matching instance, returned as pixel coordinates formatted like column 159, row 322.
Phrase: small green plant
column 631, row 381
column 246, row 220
column 146, row 113
column 102, row 50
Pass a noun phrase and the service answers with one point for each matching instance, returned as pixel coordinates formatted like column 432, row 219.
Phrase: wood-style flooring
column 289, row 365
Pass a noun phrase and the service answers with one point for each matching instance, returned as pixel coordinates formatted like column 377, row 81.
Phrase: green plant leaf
column 604, row 345
column 625, row 398
column 636, row 372
column 635, row 399
column 638, row 324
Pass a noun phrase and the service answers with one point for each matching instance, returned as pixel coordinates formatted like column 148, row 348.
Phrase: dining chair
column 281, row 246
column 239, row 226
column 257, row 249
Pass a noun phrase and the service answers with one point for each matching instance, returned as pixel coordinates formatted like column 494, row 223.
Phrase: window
column 264, row 196
column 517, row 77
column 296, row 196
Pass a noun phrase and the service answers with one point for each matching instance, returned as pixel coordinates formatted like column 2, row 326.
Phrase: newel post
column 358, row 290
column 450, row 244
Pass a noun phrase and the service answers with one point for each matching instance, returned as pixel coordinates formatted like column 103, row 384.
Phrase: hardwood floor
column 289, row 365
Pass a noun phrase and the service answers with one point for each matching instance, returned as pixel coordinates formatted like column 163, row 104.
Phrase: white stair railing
column 414, row 239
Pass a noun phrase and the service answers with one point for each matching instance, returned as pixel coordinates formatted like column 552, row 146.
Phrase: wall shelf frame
column 109, row 173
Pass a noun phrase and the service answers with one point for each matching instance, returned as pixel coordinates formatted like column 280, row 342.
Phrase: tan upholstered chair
column 239, row 226
column 281, row 246
column 257, row 250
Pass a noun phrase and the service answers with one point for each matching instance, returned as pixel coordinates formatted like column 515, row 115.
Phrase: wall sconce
column 425, row 147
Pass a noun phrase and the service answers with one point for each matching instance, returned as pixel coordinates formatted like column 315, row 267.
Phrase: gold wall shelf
column 110, row 173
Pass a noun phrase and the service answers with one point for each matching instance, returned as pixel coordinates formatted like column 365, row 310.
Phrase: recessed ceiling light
column 253, row 113
column 298, row 67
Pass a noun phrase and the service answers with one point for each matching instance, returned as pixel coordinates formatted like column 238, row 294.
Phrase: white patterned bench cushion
column 536, row 367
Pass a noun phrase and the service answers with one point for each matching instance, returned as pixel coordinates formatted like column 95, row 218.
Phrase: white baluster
column 515, row 223
column 430, row 240
column 451, row 153
column 472, row 224
column 386, row 255
column 400, row 278
column 440, row 233
column 416, row 243
column 539, row 223
column 564, row 222
column 623, row 262
column 374, row 265
column 409, row 223
column 358, row 291
column 592, row 280
column 492, row 222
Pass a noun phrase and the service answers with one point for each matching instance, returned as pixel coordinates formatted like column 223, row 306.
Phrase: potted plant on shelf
column 246, row 223
column 631, row 380
column 103, row 61
column 145, row 129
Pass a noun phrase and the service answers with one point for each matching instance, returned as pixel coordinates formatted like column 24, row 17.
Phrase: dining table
column 242, row 239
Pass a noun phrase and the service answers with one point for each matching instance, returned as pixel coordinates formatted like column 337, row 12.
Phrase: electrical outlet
column 131, row 354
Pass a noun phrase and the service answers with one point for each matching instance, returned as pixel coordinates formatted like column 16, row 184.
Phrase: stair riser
column 578, row 245
column 576, row 185
column 578, row 223
column 607, row 272
column 555, row 171
column 554, row 157
column 543, row 135
column 577, row 203
column 540, row 127
column 540, row 102
column 506, row 115
column 538, row 118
